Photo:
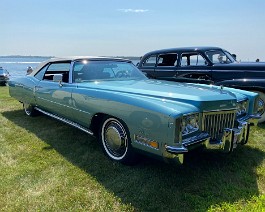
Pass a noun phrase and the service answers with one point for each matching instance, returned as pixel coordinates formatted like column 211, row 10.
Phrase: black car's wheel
column 29, row 109
column 115, row 141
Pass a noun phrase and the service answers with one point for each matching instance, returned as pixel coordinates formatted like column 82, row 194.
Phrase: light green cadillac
column 130, row 114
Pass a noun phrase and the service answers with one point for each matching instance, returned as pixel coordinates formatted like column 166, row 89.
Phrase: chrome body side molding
column 67, row 121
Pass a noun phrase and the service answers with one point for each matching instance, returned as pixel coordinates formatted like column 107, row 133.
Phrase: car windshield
column 85, row 70
column 220, row 57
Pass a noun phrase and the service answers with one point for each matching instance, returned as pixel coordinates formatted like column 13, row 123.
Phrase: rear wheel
column 29, row 109
column 115, row 141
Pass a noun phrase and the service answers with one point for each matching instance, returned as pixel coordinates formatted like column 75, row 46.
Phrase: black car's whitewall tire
column 115, row 141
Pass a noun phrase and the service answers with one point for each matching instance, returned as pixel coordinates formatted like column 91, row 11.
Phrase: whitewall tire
column 115, row 141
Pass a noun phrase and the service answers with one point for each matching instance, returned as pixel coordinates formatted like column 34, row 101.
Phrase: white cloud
column 133, row 10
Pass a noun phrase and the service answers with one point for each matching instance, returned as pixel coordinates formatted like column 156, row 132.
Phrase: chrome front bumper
column 229, row 140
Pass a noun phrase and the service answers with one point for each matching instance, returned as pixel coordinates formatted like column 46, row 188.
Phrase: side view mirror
column 58, row 78
column 29, row 70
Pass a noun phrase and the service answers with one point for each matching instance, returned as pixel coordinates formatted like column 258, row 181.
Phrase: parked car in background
column 129, row 113
column 4, row 76
column 206, row 65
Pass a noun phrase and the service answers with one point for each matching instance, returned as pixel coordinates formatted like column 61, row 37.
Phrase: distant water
column 17, row 66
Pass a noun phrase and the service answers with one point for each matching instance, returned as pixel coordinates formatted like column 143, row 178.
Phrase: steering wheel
column 121, row 74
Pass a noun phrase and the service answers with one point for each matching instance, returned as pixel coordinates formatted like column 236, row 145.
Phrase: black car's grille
column 215, row 122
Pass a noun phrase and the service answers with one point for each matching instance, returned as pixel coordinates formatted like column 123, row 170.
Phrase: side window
column 167, row 59
column 220, row 58
column 57, row 68
column 40, row 74
column 150, row 61
column 192, row 59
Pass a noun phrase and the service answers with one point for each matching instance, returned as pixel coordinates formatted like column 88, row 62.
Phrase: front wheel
column 115, row 141
column 29, row 109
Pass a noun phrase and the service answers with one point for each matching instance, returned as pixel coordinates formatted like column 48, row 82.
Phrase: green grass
column 49, row 166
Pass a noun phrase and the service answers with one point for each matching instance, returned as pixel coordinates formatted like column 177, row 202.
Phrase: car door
column 222, row 73
column 223, row 67
column 193, row 67
column 166, row 65
column 52, row 95
column 84, row 94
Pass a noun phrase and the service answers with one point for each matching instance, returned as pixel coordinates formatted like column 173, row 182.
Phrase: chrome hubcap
column 115, row 139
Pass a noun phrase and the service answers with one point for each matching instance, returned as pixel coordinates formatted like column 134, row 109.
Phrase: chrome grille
column 216, row 121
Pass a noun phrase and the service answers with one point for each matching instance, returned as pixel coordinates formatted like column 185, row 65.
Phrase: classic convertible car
column 129, row 113
column 206, row 65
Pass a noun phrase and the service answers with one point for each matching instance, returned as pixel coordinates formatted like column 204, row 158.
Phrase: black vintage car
column 207, row 65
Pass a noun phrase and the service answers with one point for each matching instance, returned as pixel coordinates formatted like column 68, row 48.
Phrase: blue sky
column 130, row 27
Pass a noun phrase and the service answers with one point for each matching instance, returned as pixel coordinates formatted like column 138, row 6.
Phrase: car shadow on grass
column 205, row 179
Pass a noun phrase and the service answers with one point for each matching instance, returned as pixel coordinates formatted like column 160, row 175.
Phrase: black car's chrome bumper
column 229, row 140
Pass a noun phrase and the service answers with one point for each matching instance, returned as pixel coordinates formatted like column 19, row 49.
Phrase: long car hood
column 204, row 98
